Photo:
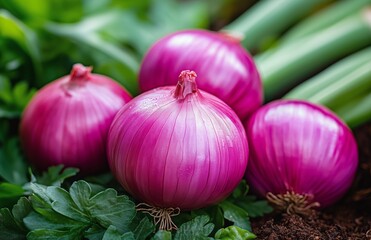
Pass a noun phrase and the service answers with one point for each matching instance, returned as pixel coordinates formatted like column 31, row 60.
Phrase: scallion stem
column 355, row 83
column 293, row 62
column 356, row 111
column 330, row 75
column 269, row 17
column 323, row 19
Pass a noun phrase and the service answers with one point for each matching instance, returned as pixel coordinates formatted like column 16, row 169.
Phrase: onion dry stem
column 160, row 215
column 293, row 203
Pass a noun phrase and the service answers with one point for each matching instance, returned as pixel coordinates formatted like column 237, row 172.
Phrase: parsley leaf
column 162, row 235
column 235, row 233
column 11, row 223
column 197, row 229
column 236, row 215
column 255, row 208
column 83, row 214
column 55, row 175
column 113, row 234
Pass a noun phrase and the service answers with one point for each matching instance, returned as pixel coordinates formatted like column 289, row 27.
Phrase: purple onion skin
column 168, row 152
column 224, row 68
column 67, row 121
column 301, row 147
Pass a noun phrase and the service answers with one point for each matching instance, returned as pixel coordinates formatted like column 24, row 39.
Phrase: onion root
column 160, row 215
column 293, row 203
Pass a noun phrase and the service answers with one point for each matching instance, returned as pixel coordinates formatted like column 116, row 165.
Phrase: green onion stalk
column 357, row 111
column 267, row 18
column 324, row 18
column 293, row 62
column 344, row 87
column 320, row 20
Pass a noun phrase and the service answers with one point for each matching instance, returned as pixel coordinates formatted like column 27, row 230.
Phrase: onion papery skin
column 300, row 147
column 224, row 68
column 173, row 152
column 67, row 121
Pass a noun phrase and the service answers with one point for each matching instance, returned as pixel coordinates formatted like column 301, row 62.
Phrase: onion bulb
column 178, row 146
column 67, row 121
column 301, row 155
column 224, row 68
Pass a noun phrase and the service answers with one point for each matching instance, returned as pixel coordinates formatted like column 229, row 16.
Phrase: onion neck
column 186, row 84
column 80, row 73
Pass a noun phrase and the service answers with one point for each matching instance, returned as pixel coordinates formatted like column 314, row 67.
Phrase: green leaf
column 80, row 192
column 59, row 209
column 95, row 233
column 9, row 190
column 241, row 190
column 236, row 215
column 143, row 229
column 120, row 212
column 45, row 216
column 249, row 203
column 233, row 232
column 197, row 229
column 14, row 100
column 11, row 223
column 56, row 221
column 22, row 94
column 56, row 175
column 48, row 234
column 255, row 208
column 12, row 165
column 162, row 235
column 46, row 223
column 21, row 210
column 214, row 212
column 39, row 192
column 14, row 29
column 5, row 90
column 64, row 204
column 113, row 234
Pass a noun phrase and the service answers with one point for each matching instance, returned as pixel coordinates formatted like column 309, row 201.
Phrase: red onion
column 178, row 146
column 300, row 152
column 67, row 121
column 224, row 68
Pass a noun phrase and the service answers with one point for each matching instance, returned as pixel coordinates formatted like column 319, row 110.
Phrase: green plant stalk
column 323, row 19
column 287, row 66
column 319, row 21
column 356, row 112
column 267, row 18
column 348, row 87
column 330, row 75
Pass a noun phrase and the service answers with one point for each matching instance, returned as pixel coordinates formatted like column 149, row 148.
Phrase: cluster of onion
column 178, row 146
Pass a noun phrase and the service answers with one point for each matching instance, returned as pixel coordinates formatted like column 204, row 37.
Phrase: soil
column 349, row 219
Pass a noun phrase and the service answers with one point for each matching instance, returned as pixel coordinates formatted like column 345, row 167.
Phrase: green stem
column 348, row 87
column 291, row 63
column 356, row 112
column 330, row 75
column 325, row 18
column 267, row 18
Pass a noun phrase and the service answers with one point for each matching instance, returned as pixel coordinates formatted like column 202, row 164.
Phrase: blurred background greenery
column 40, row 40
